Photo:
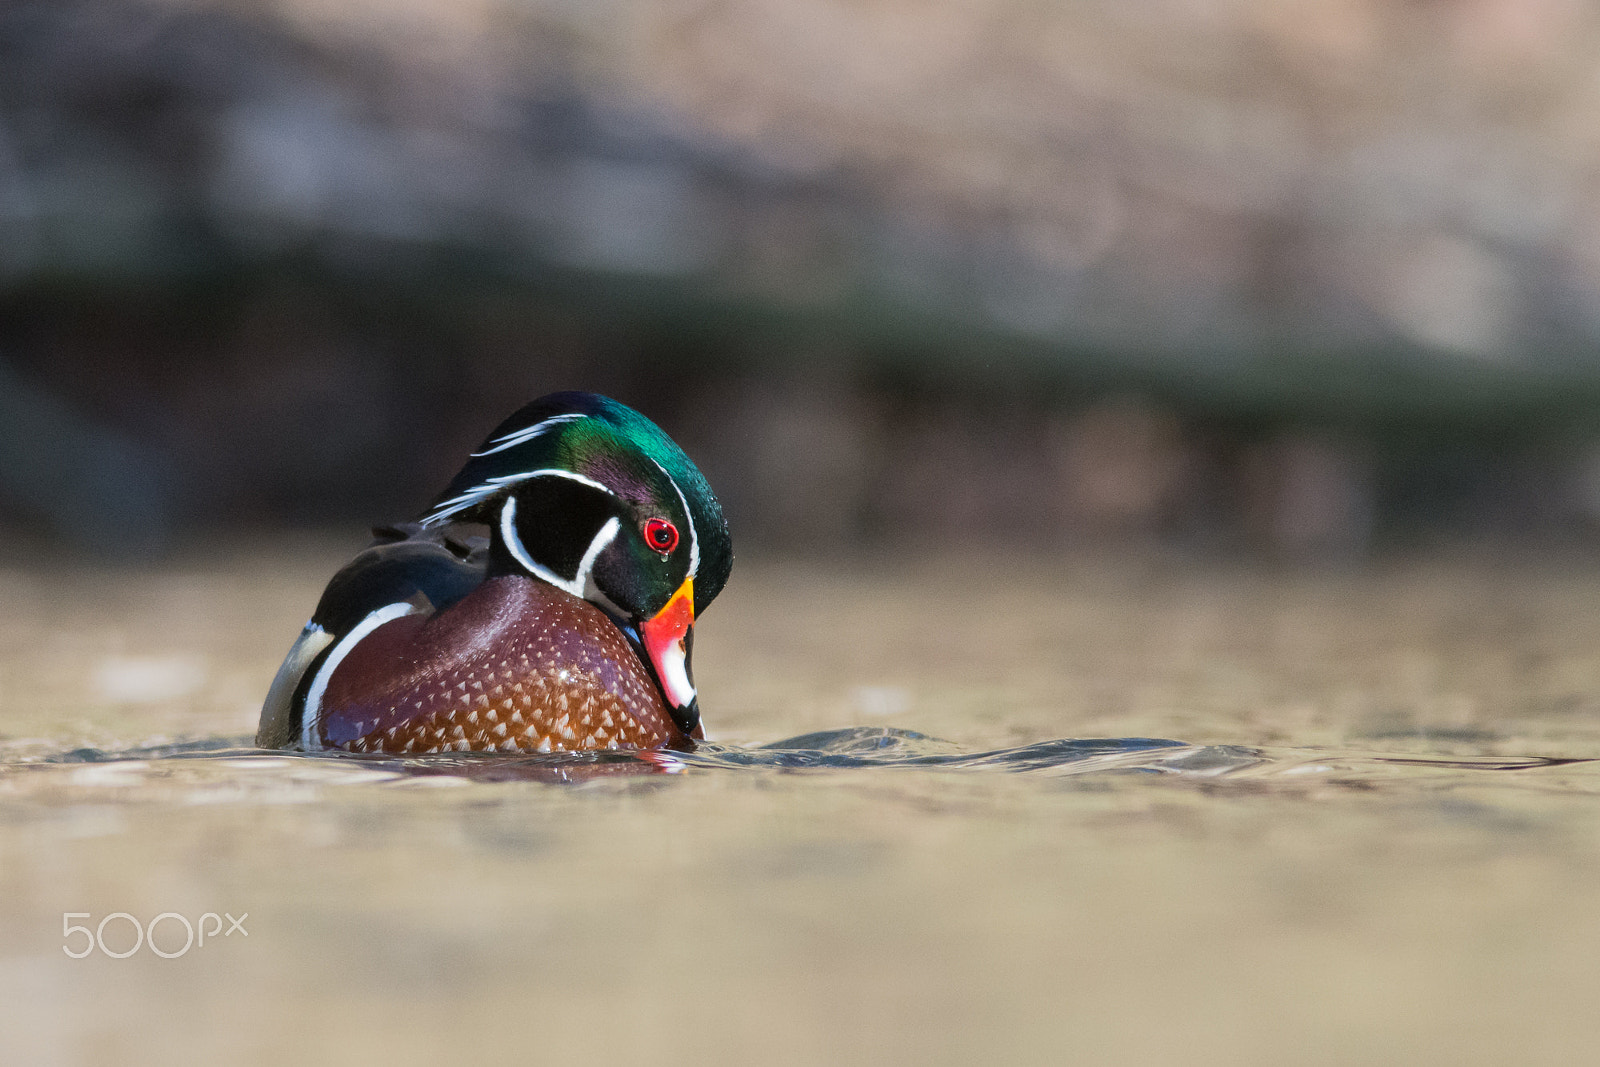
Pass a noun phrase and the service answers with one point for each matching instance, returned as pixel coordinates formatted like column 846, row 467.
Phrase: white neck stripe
column 585, row 576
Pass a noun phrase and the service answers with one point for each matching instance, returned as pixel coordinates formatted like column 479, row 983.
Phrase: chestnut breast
column 517, row 665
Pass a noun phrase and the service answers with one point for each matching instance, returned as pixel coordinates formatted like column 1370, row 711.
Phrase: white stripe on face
column 580, row 584
column 694, row 537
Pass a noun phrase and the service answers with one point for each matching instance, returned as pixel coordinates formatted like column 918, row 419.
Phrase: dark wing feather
column 405, row 562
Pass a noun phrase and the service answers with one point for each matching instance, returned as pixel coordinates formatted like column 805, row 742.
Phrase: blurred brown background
column 999, row 281
column 1289, row 278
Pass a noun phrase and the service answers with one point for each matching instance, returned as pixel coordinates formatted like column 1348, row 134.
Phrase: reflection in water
column 857, row 748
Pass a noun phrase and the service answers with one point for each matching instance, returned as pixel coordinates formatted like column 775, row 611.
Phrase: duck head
column 592, row 497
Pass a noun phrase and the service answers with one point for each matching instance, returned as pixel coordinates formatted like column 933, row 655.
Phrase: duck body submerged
column 568, row 628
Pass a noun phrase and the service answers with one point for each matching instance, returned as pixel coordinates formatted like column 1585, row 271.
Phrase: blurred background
column 1005, row 329
column 1303, row 278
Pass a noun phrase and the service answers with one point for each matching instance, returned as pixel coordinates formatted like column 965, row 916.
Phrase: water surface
column 1116, row 811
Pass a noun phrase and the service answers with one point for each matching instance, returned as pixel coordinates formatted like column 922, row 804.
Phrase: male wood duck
column 567, row 629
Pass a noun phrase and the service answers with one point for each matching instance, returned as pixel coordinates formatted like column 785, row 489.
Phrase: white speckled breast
column 516, row 666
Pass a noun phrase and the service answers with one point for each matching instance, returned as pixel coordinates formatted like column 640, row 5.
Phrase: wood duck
column 569, row 628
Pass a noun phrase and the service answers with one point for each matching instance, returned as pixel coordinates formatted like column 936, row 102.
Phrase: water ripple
column 855, row 749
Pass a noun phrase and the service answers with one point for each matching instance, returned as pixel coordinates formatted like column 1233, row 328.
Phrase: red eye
column 661, row 535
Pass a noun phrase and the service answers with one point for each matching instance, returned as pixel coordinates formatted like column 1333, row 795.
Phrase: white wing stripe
column 319, row 685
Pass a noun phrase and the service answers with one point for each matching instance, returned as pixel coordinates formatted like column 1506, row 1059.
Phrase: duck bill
column 667, row 639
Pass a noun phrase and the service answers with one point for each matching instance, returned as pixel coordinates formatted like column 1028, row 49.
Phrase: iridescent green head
column 589, row 495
